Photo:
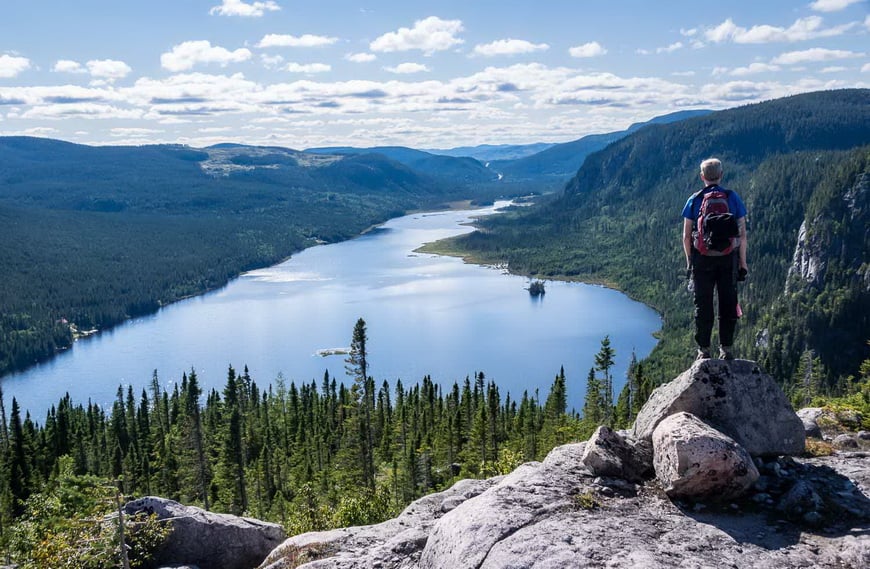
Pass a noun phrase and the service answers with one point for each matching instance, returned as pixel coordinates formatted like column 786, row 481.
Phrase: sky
column 419, row 73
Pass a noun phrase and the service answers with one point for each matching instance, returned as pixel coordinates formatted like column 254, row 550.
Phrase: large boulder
column 608, row 453
column 534, row 492
column 736, row 398
column 208, row 540
column 694, row 460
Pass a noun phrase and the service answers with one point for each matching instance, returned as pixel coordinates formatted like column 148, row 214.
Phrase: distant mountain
column 561, row 161
column 802, row 166
column 488, row 152
column 448, row 168
column 56, row 174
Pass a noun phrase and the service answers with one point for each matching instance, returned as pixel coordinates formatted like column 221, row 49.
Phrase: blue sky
column 415, row 73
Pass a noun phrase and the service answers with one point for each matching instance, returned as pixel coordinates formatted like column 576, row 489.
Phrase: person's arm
column 741, row 224
column 687, row 241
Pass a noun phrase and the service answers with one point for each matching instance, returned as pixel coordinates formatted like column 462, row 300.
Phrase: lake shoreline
column 75, row 338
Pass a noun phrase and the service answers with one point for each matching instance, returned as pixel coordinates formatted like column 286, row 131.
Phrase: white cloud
column 271, row 61
column 832, row 5
column 814, row 55
column 404, row 68
column 683, row 73
column 509, row 47
column 802, row 29
column 865, row 68
column 190, row 53
column 239, row 8
column 108, row 69
column 68, row 66
column 671, row 48
column 134, row 131
column 12, row 65
column 308, row 68
column 361, row 57
column 834, row 69
column 429, row 35
column 641, row 51
column 286, row 40
column 590, row 49
column 689, row 33
column 754, row 68
column 81, row 111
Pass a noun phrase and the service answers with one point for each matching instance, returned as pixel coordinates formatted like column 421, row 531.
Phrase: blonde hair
column 711, row 169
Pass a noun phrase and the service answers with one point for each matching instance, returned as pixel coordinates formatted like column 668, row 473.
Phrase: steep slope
column 618, row 221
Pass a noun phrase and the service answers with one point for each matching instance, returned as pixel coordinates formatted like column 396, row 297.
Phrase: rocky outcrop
column 808, row 263
column 555, row 514
column 596, row 503
column 208, row 540
column 694, row 460
column 736, row 398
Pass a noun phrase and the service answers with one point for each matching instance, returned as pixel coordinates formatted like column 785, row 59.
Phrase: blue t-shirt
column 693, row 205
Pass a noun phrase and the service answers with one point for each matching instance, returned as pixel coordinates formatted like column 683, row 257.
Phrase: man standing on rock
column 714, row 241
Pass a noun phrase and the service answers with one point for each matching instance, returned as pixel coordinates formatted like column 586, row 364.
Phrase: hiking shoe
column 703, row 354
column 726, row 353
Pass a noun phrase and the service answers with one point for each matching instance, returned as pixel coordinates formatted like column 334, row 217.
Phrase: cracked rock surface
column 554, row 514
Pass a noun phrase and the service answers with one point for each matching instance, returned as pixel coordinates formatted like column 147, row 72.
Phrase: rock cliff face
column 594, row 505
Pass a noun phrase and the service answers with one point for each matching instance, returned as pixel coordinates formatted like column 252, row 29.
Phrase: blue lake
column 425, row 314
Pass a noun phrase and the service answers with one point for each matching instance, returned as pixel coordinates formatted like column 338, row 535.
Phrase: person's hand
column 741, row 274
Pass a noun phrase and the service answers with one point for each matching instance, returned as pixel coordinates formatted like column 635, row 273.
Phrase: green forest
column 311, row 456
column 798, row 160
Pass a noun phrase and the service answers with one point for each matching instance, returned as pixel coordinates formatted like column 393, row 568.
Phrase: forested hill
column 797, row 160
column 95, row 235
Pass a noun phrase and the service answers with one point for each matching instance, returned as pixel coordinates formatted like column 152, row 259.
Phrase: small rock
column 800, row 499
column 761, row 498
column 814, row 519
column 845, row 442
column 863, row 435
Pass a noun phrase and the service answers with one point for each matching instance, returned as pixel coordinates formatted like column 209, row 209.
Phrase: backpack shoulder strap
column 695, row 197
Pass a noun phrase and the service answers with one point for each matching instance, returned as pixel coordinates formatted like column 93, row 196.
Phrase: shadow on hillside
column 845, row 511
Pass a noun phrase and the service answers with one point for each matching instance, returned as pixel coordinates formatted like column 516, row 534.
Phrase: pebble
column 759, row 498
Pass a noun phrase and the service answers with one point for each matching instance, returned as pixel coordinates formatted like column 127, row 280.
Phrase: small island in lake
column 536, row 288
column 324, row 352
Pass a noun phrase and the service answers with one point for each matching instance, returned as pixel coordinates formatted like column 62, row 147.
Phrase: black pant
column 719, row 273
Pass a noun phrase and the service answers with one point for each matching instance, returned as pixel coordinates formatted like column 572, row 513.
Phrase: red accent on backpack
column 715, row 232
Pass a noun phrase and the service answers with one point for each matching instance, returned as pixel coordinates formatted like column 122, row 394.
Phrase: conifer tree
column 603, row 362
